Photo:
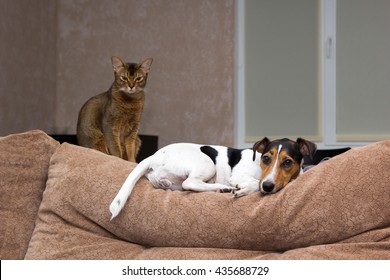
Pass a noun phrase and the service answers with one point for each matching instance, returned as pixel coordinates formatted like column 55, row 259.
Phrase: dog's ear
column 259, row 146
column 306, row 148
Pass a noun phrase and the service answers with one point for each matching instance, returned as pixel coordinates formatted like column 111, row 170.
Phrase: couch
column 54, row 205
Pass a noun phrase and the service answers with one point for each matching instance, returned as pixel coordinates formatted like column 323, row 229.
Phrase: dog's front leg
column 194, row 184
column 244, row 186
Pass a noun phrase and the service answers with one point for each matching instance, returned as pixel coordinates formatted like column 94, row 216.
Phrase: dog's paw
column 245, row 189
column 235, row 181
column 226, row 189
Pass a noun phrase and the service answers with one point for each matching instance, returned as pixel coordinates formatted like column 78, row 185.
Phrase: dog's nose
column 268, row 186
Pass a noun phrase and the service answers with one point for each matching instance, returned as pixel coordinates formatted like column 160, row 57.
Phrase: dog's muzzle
column 267, row 187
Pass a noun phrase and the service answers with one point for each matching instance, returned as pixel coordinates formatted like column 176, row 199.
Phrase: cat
column 109, row 122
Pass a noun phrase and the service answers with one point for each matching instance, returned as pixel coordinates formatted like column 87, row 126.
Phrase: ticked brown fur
column 109, row 122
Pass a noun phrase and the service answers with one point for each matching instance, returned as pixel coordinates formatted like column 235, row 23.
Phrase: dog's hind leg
column 197, row 181
column 202, row 176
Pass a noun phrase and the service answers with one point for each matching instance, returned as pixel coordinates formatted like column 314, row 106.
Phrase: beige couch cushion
column 24, row 162
column 344, row 201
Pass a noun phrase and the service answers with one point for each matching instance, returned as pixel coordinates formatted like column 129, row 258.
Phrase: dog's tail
column 120, row 199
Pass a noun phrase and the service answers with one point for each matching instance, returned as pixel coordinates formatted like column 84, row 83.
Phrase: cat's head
column 130, row 77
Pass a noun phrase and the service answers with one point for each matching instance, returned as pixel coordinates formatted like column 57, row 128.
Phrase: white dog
column 186, row 166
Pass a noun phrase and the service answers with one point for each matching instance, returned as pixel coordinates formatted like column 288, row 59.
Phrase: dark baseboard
column 149, row 143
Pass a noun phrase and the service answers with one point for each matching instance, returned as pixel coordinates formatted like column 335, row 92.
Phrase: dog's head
column 281, row 161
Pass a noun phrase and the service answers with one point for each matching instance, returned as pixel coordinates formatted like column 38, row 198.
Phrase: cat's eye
column 124, row 78
column 139, row 79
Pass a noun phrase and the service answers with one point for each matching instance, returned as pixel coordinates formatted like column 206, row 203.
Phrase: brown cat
column 109, row 122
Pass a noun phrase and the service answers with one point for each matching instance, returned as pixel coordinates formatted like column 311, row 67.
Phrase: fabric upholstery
column 337, row 210
column 24, row 162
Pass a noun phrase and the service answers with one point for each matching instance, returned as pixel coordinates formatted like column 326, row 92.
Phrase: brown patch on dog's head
column 281, row 161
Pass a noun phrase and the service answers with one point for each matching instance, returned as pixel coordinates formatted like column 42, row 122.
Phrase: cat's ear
column 146, row 64
column 116, row 63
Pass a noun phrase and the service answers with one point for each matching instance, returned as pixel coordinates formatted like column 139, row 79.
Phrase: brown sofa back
column 343, row 201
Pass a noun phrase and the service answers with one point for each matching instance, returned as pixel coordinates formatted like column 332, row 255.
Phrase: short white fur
column 271, row 176
column 183, row 166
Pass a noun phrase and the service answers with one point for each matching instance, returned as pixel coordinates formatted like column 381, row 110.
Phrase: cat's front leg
column 113, row 144
column 132, row 148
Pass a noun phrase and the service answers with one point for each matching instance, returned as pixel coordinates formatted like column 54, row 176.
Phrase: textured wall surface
column 27, row 65
column 190, row 87
column 190, row 91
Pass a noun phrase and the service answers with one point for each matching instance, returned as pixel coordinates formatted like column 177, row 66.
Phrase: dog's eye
column 266, row 160
column 287, row 163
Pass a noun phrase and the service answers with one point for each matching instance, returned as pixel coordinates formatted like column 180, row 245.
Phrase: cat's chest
column 123, row 116
column 125, row 124
column 121, row 105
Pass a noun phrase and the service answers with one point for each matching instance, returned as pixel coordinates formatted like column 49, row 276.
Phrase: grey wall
column 190, row 91
column 27, row 65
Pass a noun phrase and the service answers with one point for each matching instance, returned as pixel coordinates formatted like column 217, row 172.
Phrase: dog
column 195, row 167
column 281, row 161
